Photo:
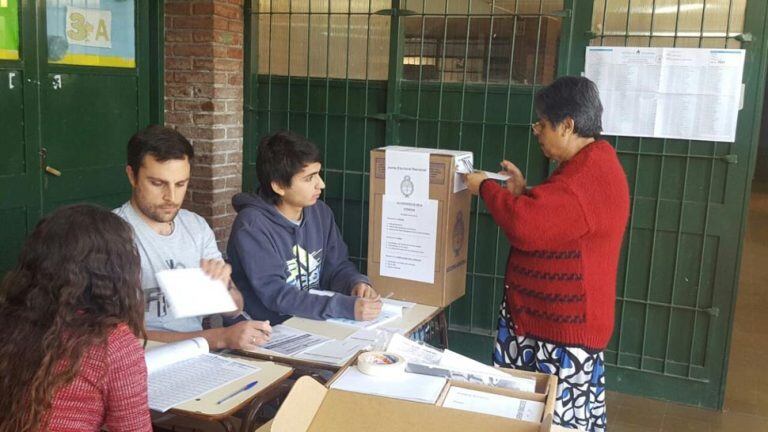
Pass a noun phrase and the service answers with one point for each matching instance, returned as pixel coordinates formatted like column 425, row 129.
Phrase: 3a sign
column 89, row 27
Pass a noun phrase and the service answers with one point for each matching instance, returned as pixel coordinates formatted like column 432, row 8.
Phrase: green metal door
column 679, row 272
column 19, row 164
column 460, row 74
column 78, row 91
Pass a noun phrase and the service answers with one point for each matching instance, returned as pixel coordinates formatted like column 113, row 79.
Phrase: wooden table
column 271, row 379
column 412, row 319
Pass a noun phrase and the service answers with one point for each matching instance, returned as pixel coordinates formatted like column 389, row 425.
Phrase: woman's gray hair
column 574, row 97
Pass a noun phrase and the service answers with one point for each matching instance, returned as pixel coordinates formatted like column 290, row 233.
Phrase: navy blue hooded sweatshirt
column 275, row 262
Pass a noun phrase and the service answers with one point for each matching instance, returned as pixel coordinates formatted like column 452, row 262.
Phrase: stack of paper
column 290, row 341
column 388, row 314
column 391, row 310
column 493, row 404
column 182, row 371
column 428, row 360
column 339, row 351
column 412, row 387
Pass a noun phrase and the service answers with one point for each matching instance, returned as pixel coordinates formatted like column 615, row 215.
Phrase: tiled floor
column 746, row 408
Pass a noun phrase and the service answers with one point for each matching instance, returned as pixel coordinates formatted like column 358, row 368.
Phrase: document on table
column 289, row 341
column 383, row 318
column 685, row 93
column 397, row 303
column 407, row 386
column 182, row 371
column 493, row 404
column 191, row 292
column 389, row 304
column 414, row 352
column 337, row 352
column 408, row 238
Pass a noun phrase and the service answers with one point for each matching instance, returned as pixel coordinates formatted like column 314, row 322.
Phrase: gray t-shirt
column 191, row 240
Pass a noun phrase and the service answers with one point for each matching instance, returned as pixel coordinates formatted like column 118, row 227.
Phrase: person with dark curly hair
column 556, row 316
column 71, row 313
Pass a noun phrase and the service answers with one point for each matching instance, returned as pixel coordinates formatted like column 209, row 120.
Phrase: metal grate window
column 477, row 41
column 323, row 38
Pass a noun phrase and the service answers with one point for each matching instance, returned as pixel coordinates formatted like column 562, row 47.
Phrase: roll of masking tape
column 378, row 363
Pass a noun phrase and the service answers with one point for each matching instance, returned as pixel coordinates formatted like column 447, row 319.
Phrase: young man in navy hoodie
column 285, row 242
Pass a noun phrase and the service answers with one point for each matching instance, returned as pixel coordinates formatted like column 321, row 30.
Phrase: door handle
column 53, row 171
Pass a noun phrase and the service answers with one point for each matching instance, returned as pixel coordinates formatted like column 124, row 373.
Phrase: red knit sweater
column 109, row 390
column 566, row 237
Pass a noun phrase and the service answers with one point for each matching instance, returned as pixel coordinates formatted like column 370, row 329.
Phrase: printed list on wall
column 683, row 93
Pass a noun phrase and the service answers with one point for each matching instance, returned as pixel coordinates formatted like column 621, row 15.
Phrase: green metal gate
column 74, row 86
column 461, row 74
column 679, row 273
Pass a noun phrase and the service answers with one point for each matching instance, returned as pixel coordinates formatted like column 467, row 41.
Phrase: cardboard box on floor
column 452, row 233
column 311, row 407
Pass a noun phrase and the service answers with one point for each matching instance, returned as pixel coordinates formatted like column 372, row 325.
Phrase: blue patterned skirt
column 580, row 400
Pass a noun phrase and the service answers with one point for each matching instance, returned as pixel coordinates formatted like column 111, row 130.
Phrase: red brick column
column 204, row 100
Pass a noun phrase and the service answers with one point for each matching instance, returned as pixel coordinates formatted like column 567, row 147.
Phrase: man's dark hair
column 281, row 156
column 574, row 97
column 161, row 142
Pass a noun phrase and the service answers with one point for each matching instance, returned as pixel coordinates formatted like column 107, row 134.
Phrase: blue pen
column 237, row 392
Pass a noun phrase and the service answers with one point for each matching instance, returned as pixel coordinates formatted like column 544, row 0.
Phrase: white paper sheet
column 184, row 370
column 407, row 174
column 385, row 317
column 469, row 370
column 335, row 351
column 290, row 341
column 159, row 357
column 408, row 238
column 684, row 93
column 493, row 404
column 191, row 378
column 464, row 165
column 338, row 352
column 414, row 352
column 190, row 292
column 400, row 303
column 412, row 387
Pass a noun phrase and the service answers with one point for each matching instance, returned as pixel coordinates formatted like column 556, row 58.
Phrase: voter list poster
column 684, row 93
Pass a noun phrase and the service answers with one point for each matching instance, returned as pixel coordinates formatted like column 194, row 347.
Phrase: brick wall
column 204, row 100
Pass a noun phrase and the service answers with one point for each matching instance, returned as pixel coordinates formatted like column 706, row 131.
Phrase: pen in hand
column 246, row 387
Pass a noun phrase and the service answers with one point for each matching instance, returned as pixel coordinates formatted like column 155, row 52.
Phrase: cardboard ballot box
column 418, row 229
column 312, row 407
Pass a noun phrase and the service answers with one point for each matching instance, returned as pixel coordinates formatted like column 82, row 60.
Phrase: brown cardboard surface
column 345, row 411
column 267, row 427
column 299, row 408
column 452, row 235
column 311, row 407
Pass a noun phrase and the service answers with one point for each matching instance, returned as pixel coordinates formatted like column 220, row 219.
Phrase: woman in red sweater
column 565, row 234
column 70, row 314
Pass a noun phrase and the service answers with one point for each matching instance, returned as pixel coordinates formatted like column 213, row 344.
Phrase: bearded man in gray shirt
column 169, row 237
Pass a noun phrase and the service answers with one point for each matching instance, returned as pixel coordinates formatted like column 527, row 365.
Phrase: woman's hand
column 473, row 181
column 516, row 182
